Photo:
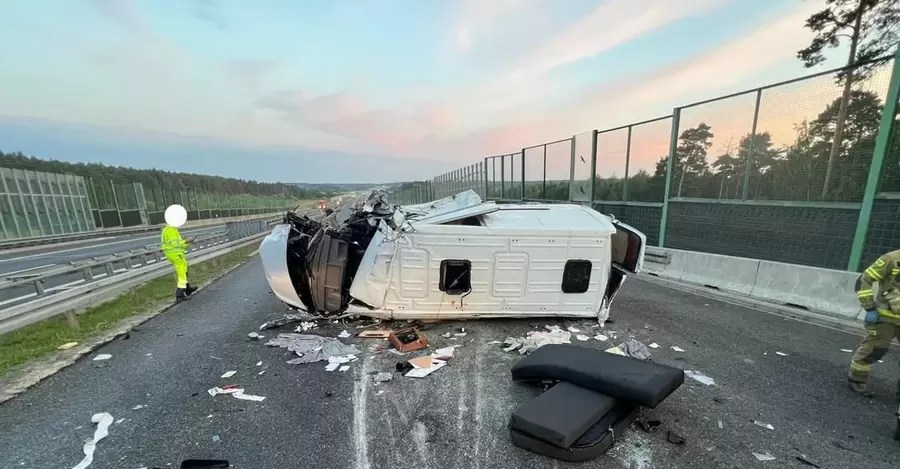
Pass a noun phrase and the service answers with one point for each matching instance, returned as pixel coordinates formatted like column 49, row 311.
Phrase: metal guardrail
column 103, row 277
column 53, row 239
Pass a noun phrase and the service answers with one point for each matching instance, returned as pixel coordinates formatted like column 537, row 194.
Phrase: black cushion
column 562, row 414
column 622, row 378
column 596, row 441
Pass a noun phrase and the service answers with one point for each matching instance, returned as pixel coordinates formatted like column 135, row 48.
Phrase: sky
column 385, row 90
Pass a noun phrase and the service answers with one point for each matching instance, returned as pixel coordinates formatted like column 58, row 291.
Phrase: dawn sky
column 370, row 91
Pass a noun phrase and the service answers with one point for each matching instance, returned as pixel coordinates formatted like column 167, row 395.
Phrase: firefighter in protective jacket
column 174, row 248
column 882, row 321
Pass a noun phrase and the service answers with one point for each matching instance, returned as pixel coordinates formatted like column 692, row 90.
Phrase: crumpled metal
column 312, row 348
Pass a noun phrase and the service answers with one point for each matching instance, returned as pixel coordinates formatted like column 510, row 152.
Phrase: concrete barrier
column 813, row 288
column 826, row 291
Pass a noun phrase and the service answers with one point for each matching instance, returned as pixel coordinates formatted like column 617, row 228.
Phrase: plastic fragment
column 764, row 456
column 699, row 377
column 67, row 346
column 763, row 424
column 255, row 336
column 573, row 330
column 344, row 368
column 247, row 397
column 654, row 345
column 601, row 337
column 216, row 438
column 332, row 366
column 582, row 338
column 677, row 348
column 228, row 374
column 137, row 407
column 382, row 377
column 259, row 363
column 781, row 354
column 846, row 350
column 344, row 334
column 102, row 356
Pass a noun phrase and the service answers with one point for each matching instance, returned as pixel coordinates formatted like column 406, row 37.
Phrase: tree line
column 158, row 179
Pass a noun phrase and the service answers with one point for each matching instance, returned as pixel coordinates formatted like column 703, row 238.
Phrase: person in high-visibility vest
column 174, row 248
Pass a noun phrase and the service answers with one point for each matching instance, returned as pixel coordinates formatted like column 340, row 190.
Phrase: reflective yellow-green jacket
column 885, row 272
column 171, row 241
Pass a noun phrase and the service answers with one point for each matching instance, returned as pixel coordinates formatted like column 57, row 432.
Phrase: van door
column 628, row 245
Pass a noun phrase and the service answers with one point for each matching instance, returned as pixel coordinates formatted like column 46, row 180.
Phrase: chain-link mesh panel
column 790, row 155
column 559, row 169
column 612, row 161
column 709, row 135
column 647, row 155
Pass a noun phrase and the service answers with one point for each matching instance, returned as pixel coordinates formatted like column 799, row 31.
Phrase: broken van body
column 454, row 258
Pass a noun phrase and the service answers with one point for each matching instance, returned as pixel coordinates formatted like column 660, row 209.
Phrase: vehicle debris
column 137, row 407
column 382, row 377
column 286, row 319
column 374, row 334
column 103, row 421
column 763, row 456
column 239, row 394
column 654, row 345
column 763, row 424
column 781, row 354
column 536, row 339
column 344, row 334
column 228, row 374
column 677, row 348
column 236, row 392
column 255, row 336
column 259, row 363
column 408, row 340
column 631, row 348
column 582, row 337
column 311, row 348
column 573, row 330
column 423, row 371
column 699, row 377
column 601, row 337
column 102, row 357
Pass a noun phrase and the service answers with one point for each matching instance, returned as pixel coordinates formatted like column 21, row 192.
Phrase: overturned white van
column 453, row 258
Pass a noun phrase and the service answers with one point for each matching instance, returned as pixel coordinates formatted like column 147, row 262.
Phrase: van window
column 576, row 276
column 456, row 276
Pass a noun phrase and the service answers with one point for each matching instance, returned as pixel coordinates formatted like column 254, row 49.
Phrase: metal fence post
column 882, row 142
column 748, row 165
column 670, row 165
column 522, row 167
column 627, row 165
column 594, row 135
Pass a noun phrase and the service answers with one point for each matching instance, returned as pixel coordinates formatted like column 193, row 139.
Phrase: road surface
column 53, row 257
column 457, row 416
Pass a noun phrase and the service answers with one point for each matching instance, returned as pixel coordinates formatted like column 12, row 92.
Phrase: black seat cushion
column 622, row 378
column 562, row 414
column 595, row 442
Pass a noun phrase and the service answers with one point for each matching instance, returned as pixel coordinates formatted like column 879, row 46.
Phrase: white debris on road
column 699, row 377
column 102, row 356
column 228, row 374
column 103, row 421
column 677, row 348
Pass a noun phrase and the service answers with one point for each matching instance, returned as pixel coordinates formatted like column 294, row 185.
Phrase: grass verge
column 41, row 338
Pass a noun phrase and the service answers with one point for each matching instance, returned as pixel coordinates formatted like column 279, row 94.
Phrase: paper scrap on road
column 677, row 348
column 699, row 377
column 103, row 421
column 67, row 346
column 255, row 336
column 423, row 372
column 259, row 363
column 764, row 456
column 763, row 424
column 445, row 353
column 217, row 390
column 344, row 334
column 344, row 368
column 228, row 374
column 654, row 345
column 573, row 330
column 332, row 366
column 601, row 337
column 102, row 356
column 846, row 350
column 137, row 407
column 782, row 354
column 582, row 337
column 537, row 339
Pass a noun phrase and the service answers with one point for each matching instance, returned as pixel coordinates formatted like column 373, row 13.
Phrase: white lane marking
column 80, row 248
column 26, row 270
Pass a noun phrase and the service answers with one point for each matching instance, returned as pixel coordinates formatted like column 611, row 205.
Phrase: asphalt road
column 54, row 257
column 457, row 416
